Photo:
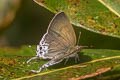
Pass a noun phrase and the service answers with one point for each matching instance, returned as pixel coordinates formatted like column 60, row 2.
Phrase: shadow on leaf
column 83, row 58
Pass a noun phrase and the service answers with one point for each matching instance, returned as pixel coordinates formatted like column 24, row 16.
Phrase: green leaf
column 114, row 6
column 88, row 14
column 13, row 64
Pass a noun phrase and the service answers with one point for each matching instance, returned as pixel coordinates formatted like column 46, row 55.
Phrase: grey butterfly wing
column 60, row 35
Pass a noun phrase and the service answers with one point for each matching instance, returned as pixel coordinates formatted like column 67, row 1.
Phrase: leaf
column 114, row 5
column 88, row 14
column 13, row 64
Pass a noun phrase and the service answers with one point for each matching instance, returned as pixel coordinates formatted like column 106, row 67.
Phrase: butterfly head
column 79, row 48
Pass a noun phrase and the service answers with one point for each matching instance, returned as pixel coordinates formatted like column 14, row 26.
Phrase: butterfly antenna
column 78, row 38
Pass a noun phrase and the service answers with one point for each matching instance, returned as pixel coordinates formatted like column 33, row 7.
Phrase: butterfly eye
column 77, row 47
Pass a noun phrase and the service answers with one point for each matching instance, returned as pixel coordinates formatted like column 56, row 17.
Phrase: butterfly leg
column 66, row 60
column 77, row 58
column 31, row 59
column 73, row 55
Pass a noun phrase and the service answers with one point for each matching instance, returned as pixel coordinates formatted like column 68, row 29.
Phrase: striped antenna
column 78, row 38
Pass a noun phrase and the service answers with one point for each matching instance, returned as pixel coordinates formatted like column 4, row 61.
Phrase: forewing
column 61, row 25
column 60, row 35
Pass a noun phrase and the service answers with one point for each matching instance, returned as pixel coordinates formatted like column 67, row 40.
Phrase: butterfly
column 58, row 43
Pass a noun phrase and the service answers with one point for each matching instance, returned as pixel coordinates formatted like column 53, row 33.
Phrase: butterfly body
column 58, row 43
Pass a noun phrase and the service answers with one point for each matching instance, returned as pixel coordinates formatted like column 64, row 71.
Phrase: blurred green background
column 31, row 22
